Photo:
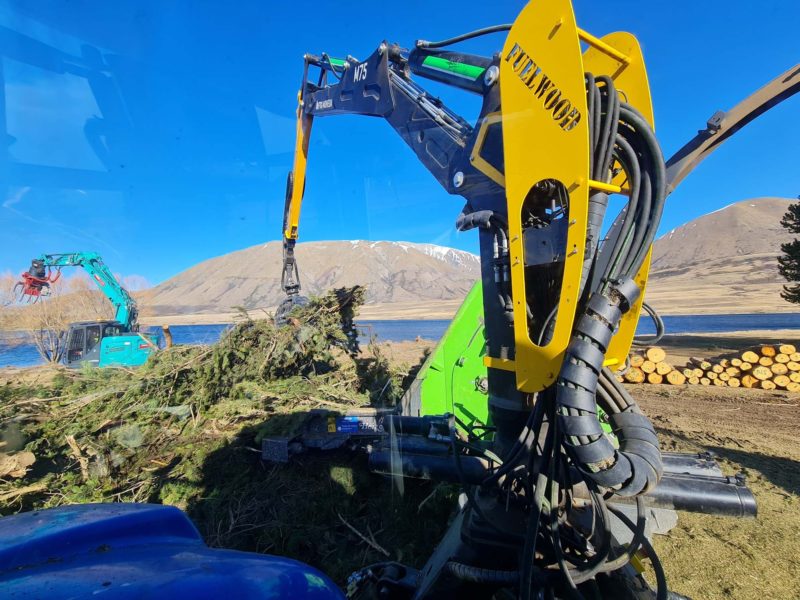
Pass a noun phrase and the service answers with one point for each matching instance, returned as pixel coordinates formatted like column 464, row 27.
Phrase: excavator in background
column 110, row 343
column 519, row 404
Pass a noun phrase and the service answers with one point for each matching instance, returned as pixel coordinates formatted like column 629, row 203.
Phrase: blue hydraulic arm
column 38, row 278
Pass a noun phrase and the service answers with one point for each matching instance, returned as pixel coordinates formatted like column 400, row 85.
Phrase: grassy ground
column 209, row 465
column 199, row 451
column 753, row 431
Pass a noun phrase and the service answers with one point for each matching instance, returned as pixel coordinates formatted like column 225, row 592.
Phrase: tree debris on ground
column 185, row 428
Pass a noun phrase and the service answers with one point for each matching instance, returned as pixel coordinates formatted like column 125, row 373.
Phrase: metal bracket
column 545, row 245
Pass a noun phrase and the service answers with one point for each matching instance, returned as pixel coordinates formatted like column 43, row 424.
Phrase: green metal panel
column 453, row 378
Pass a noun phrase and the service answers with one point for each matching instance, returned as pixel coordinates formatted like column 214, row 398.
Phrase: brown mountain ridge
column 722, row 262
column 399, row 274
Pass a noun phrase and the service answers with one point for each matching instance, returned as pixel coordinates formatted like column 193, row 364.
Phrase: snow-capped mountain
column 392, row 272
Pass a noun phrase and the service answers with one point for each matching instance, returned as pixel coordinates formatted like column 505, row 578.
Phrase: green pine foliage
column 789, row 262
column 185, row 430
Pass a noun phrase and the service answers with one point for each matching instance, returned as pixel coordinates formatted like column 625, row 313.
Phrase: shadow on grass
column 299, row 510
column 780, row 471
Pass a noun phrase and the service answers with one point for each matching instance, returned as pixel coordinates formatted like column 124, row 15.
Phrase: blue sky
column 160, row 134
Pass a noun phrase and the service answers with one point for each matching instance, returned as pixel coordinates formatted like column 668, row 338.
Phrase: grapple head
column 287, row 306
column 35, row 282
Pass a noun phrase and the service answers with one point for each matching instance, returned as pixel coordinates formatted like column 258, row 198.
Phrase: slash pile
column 185, row 430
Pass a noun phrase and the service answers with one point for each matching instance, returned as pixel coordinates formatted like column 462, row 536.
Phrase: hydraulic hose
column 659, row 325
column 617, row 130
column 604, row 106
column 488, row 219
column 575, row 444
column 480, row 575
column 464, row 36
column 635, row 467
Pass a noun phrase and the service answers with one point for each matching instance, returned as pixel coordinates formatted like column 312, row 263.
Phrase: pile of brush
column 185, row 430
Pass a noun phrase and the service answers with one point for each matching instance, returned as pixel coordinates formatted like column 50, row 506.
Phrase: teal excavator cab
column 106, row 344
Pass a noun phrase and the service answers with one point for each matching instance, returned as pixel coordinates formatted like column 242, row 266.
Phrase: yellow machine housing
column 543, row 65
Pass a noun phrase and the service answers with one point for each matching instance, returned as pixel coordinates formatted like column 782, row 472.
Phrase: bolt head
column 491, row 75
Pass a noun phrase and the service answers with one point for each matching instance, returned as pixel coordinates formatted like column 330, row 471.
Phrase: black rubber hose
column 627, row 157
column 591, row 99
column 608, row 127
column 636, row 466
column 611, row 124
column 464, row 36
column 583, row 382
column 620, row 397
column 467, row 491
column 480, row 575
column 661, row 580
column 643, row 213
column 659, row 325
column 517, row 450
column 659, row 174
column 532, row 528
column 639, row 534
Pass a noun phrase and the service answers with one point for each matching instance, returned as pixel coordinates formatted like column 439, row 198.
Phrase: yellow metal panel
column 302, row 135
column 631, row 81
column 545, row 136
column 499, row 363
column 475, row 156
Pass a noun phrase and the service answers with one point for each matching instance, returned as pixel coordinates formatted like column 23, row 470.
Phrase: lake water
column 15, row 352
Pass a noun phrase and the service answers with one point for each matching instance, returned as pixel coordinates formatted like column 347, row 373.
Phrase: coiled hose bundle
column 574, row 447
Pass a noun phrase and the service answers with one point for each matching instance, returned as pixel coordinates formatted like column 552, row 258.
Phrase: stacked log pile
column 651, row 366
column 766, row 367
column 769, row 367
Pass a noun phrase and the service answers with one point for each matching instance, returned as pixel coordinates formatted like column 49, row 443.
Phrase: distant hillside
column 722, row 262
column 394, row 272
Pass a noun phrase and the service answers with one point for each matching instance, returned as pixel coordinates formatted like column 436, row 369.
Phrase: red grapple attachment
column 35, row 282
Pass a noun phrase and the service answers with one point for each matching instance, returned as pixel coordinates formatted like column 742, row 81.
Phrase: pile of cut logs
column 651, row 366
column 766, row 367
